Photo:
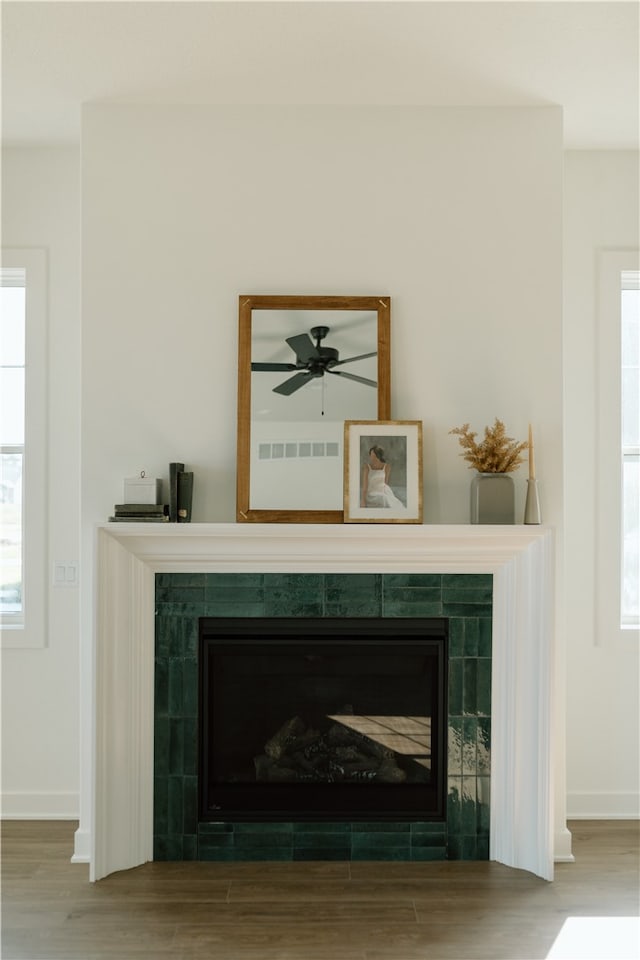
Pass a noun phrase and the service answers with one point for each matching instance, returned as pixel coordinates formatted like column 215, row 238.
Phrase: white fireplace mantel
column 128, row 555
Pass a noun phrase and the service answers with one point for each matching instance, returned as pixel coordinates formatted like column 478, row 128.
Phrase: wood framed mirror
column 305, row 365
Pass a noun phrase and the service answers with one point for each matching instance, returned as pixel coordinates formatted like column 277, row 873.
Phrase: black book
column 185, row 496
column 174, row 470
column 139, row 518
column 140, row 509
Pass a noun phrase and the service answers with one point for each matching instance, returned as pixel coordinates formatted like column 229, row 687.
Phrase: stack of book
column 140, row 513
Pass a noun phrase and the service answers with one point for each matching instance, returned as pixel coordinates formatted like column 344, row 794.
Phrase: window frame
column 31, row 630
column 630, row 280
column 609, row 452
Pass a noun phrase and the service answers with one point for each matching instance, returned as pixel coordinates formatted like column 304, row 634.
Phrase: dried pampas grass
column 496, row 453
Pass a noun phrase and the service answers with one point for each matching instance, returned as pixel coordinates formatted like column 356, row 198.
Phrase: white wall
column 40, row 687
column 455, row 213
column 603, row 666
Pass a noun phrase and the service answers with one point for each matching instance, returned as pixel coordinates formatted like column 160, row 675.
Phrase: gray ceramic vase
column 493, row 498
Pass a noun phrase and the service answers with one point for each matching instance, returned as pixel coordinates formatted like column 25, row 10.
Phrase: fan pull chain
column 324, row 384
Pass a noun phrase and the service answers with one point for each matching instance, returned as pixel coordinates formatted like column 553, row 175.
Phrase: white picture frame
column 383, row 471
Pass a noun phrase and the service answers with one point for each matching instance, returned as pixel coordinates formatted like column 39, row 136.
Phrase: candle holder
column 532, row 503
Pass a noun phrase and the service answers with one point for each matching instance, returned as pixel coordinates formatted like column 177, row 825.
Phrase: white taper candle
column 532, row 463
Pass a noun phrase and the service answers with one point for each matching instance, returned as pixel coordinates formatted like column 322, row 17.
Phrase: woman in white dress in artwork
column 376, row 491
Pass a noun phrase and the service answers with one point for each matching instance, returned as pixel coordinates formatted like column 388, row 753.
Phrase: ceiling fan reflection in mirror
column 312, row 361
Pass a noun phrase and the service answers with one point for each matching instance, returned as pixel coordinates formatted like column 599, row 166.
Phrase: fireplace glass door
column 322, row 719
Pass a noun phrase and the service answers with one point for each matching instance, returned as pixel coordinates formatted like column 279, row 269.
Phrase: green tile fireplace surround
column 181, row 598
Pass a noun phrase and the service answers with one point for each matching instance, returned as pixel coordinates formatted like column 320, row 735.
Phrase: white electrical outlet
column 65, row 573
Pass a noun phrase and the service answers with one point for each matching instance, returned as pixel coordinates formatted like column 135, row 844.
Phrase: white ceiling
column 580, row 55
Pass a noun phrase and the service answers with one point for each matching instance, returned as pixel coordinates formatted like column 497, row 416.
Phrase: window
column 12, row 358
column 630, row 394
column 23, row 554
column 618, row 445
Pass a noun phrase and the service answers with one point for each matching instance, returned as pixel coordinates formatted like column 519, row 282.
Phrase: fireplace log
column 268, row 769
column 279, row 742
column 262, row 764
column 305, row 741
column 390, row 772
column 298, row 753
column 308, row 764
column 358, row 767
column 347, row 754
column 344, row 736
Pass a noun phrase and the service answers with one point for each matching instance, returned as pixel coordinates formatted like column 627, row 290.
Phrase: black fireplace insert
column 322, row 719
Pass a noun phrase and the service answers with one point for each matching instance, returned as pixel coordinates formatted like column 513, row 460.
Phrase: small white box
column 142, row 490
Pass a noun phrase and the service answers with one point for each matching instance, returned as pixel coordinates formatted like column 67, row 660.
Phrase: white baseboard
column 562, row 846
column 603, row 806
column 40, row 806
column 81, row 847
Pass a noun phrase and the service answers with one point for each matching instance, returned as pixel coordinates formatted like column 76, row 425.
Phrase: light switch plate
column 65, row 573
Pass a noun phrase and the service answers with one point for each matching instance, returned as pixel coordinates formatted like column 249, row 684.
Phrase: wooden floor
column 311, row 911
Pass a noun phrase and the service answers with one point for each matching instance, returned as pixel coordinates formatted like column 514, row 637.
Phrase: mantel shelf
column 461, row 547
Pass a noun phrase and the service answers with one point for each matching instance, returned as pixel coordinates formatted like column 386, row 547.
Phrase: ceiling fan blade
column 292, row 384
column 273, row 366
column 363, row 356
column 352, row 376
column 303, row 347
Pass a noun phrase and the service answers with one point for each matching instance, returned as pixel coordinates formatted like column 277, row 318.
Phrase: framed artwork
column 383, row 471
column 305, row 365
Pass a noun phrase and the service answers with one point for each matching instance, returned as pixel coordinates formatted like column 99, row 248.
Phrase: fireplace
column 322, row 719
column 452, row 605
column 118, row 802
